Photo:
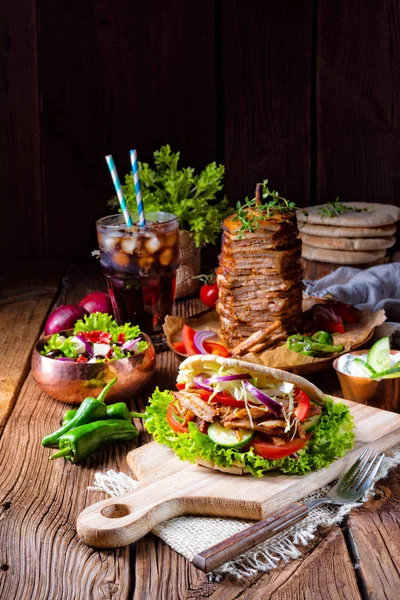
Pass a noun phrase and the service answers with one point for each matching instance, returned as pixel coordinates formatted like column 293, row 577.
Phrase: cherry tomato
column 214, row 348
column 269, row 450
column 188, row 340
column 303, row 404
column 209, row 294
column 174, row 423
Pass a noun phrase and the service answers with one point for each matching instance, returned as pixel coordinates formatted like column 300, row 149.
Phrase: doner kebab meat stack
column 259, row 275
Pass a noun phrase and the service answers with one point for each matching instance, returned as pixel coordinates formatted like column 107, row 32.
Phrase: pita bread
column 195, row 362
column 356, row 232
column 334, row 243
column 341, row 257
column 375, row 215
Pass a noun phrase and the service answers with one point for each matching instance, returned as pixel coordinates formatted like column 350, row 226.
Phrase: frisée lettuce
column 331, row 438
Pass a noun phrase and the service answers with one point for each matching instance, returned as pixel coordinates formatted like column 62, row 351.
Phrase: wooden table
column 41, row 556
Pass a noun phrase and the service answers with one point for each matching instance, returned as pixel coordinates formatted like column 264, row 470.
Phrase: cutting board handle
column 117, row 522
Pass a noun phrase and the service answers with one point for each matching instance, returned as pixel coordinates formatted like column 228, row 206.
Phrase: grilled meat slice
column 192, row 402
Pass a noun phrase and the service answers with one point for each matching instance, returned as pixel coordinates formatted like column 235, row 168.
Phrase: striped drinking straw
column 136, row 179
column 118, row 189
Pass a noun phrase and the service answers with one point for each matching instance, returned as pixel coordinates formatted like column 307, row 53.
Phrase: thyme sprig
column 336, row 208
column 249, row 213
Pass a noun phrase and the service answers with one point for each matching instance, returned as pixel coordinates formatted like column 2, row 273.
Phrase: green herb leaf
column 194, row 198
column 336, row 208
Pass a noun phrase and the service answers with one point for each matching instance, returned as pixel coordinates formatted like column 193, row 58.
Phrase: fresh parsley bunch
column 192, row 197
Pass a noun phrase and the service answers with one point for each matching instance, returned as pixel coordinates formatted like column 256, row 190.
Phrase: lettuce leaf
column 331, row 439
column 103, row 322
column 58, row 342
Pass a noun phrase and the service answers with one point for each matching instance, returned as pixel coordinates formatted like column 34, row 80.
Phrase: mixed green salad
column 96, row 338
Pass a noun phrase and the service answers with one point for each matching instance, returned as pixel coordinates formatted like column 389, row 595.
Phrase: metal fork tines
column 358, row 479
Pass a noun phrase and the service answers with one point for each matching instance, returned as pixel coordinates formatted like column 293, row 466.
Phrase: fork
column 350, row 488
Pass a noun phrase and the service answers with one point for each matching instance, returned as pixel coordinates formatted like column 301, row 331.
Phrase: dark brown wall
column 305, row 93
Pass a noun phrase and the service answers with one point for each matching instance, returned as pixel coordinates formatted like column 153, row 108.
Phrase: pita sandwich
column 336, row 243
column 238, row 417
column 369, row 215
column 348, row 232
column 341, row 257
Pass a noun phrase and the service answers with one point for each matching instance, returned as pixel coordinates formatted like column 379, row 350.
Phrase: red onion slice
column 199, row 338
column 199, row 380
column 270, row 403
column 227, row 378
column 327, row 313
column 130, row 343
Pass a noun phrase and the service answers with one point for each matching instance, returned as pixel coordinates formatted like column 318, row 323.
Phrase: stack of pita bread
column 351, row 238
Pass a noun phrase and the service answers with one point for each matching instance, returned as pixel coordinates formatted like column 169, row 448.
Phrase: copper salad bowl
column 72, row 382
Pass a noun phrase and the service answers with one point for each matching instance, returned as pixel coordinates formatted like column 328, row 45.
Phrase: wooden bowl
column 72, row 382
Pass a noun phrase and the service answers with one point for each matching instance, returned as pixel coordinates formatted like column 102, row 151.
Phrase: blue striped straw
column 118, row 189
column 136, row 179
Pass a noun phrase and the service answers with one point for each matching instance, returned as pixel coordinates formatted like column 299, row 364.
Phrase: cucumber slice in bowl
column 364, row 367
column 379, row 355
column 392, row 373
column 229, row 438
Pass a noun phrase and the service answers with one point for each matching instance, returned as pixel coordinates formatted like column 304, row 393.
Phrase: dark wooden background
column 306, row 93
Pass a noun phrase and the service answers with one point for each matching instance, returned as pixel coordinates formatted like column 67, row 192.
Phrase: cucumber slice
column 312, row 422
column 388, row 374
column 228, row 437
column 364, row 367
column 379, row 355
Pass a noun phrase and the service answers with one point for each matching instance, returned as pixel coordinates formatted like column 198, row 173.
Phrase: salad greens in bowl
column 79, row 362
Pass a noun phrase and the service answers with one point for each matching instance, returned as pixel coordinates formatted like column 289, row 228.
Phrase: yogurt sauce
column 346, row 364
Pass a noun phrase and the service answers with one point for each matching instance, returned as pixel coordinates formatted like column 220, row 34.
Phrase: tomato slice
column 303, row 404
column 174, row 423
column 334, row 327
column 222, row 398
column 347, row 312
column 188, row 340
column 215, row 348
column 269, row 450
column 180, row 386
column 179, row 347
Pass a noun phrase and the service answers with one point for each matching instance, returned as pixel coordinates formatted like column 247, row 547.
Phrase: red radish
column 64, row 317
column 97, row 302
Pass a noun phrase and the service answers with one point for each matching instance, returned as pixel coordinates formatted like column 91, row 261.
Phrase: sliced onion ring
column 129, row 344
column 200, row 383
column 270, row 403
column 227, row 378
column 326, row 312
column 199, row 338
column 88, row 345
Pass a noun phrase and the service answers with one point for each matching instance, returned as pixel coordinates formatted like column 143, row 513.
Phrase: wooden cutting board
column 170, row 487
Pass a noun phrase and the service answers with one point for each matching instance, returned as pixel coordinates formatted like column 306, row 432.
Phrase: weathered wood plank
column 374, row 532
column 358, row 86
column 266, row 76
column 28, row 290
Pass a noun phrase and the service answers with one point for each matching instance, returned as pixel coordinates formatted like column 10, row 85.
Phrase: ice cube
column 170, row 239
column 152, row 244
column 146, row 262
column 165, row 257
column 120, row 259
column 108, row 243
column 129, row 244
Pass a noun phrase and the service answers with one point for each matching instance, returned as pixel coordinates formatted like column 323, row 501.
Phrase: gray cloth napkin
column 370, row 289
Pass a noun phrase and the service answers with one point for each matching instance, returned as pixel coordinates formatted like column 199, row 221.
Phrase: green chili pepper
column 91, row 409
column 114, row 411
column 319, row 344
column 69, row 415
column 81, row 442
